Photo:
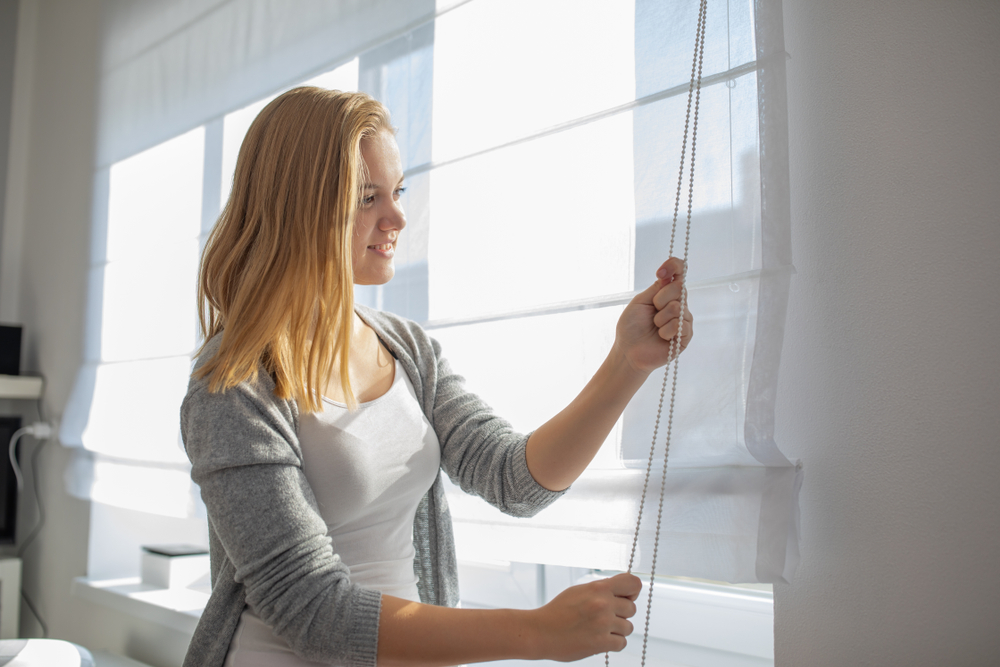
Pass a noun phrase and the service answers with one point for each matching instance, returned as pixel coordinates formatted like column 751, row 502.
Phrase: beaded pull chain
column 694, row 91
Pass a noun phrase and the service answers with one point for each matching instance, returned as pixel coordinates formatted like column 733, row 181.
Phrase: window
column 540, row 143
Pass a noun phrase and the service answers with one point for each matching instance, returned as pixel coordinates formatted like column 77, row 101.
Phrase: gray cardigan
column 268, row 542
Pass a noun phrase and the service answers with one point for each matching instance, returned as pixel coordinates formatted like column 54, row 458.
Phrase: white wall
column 46, row 236
column 890, row 378
column 890, row 383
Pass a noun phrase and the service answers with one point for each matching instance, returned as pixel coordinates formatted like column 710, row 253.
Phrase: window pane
column 665, row 35
column 504, row 69
column 530, row 368
column 135, row 407
column 535, row 223
column 726, row 204
column 155, row 197
column 149, row 304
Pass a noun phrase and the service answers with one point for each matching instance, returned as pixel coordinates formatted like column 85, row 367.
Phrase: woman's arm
column 581, row 621
column 563, row 447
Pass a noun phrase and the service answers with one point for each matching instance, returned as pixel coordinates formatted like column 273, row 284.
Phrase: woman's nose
column 395, row 218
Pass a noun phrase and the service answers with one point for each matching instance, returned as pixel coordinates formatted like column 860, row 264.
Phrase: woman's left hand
column 561, row 448
column 646, row 330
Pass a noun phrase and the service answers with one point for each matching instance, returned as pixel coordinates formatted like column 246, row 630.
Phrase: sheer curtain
column 540, row 142
column 556, row 211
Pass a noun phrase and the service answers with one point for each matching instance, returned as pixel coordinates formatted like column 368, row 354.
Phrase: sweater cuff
column 362, row 648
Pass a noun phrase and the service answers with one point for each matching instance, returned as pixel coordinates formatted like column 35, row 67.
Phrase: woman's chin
column 380, row 278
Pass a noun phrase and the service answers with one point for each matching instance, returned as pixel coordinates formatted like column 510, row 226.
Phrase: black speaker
column 10, row 350
column 8, row 481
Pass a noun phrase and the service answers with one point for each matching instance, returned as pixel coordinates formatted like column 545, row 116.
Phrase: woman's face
column 380, row 216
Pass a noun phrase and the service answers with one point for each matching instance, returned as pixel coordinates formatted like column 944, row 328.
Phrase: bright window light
column 536, row 365
column 149, row 303
column 540, row 222
column 154, row 218
column 502, row 71
column 155, row 197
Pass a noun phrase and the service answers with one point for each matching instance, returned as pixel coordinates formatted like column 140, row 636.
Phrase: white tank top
column 369, row 470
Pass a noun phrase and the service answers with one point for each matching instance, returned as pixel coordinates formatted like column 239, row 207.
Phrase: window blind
column 540, row 142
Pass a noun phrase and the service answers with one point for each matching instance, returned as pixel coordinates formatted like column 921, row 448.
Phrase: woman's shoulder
column 247, row 421
column 383, row 320
column 403, row 336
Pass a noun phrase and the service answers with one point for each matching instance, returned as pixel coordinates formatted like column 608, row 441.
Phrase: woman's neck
column 371, row 366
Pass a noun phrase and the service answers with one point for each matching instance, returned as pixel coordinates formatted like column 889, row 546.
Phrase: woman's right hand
column 587, row 619
column 581, row 621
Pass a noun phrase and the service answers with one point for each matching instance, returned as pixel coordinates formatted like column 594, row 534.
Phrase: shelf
column 177, row 608
column 20, row 386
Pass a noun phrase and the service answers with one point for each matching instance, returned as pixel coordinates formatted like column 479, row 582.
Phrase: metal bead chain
column 695, row 81
column 695, row 89
column 649, row 467
column 687, row 121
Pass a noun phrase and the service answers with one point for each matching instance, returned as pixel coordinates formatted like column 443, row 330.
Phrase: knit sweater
column 269, row 546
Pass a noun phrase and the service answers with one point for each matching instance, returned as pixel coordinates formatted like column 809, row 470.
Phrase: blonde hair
column 276, row 279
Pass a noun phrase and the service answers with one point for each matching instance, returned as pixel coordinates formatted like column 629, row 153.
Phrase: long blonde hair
column 276, row 279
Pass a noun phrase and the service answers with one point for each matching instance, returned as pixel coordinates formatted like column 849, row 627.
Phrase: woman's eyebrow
column 375, row 186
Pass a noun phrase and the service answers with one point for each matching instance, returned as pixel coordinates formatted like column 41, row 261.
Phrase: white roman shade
column 171, row 66
column 540, row 142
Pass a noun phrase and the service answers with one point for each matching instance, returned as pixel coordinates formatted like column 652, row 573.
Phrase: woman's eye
column 368, row 201
column 399, row 191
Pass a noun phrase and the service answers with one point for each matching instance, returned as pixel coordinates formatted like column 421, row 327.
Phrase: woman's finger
column 669, row 331
column 616, row 643
column 622, row 627
column 624, row 608
column 667, row 293
column 667, row 313
column 671, row 269
column 625, row 585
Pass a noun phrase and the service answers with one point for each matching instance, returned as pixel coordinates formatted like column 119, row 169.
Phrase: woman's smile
column 386, row 250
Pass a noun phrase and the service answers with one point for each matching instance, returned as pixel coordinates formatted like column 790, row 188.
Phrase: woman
column 318, row 430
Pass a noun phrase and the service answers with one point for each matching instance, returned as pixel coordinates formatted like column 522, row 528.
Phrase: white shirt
column 368, row 469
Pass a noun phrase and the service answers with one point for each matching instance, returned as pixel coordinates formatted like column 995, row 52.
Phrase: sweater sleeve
column 481, row 451
column 246, row 459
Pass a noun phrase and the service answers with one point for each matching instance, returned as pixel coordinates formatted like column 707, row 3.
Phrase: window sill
column 177, row 608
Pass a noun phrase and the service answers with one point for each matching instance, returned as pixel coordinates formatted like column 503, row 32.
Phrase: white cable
column 41, row 431
column 13, row 458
